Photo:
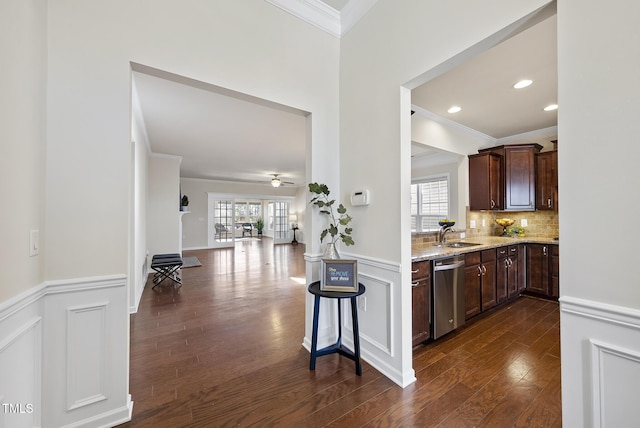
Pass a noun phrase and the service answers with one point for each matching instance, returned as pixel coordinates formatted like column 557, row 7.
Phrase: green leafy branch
column 326, row 206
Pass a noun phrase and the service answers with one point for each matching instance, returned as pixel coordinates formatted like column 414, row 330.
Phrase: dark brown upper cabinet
column 485, row 182
column 547, row 181
column 519, row 172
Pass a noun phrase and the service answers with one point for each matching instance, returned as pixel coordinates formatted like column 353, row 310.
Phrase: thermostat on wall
column 360, row 197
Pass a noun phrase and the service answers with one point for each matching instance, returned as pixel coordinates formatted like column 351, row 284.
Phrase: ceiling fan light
column 275, row 182
column 551, row 107
column 523, row 84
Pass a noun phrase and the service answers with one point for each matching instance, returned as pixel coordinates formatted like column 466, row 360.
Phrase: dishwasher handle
column 452, row 266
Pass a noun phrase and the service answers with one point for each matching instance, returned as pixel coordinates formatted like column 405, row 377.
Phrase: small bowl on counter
column 505, row 222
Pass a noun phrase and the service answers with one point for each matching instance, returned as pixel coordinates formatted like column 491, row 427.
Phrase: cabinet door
column 421, row 310
column 489, row 283
column 520, row 263
column 512, row 278
column 538, row 268
column 547, row 181
column 472, row 280
column 555, row 271
column 485, row 181
column 515, row 273
column 520, row 185
column 502, row 280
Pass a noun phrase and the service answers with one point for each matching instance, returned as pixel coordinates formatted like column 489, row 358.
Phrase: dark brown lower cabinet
column 520, row 262
column 421, row 301
column 555, row 271
column 508, row 277
column 542, row 270
column 480, row 281
column 472, row 275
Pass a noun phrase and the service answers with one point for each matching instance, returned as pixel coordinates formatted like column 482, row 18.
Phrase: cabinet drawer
column 513, row 250
column 488, row 255
column 472, row 258
column 502, row 252
column 420, row 270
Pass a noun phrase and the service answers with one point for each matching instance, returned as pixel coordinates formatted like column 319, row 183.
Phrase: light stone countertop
column 486, row 242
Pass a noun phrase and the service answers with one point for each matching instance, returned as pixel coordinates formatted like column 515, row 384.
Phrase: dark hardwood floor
column 225, row 350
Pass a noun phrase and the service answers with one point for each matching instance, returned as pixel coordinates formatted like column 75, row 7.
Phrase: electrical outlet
column 472, row 224
column 463, row 235
column 362, row 303
column 524, row 222
column 484, row 223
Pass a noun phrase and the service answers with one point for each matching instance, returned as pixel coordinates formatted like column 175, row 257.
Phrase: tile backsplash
column 540, row 224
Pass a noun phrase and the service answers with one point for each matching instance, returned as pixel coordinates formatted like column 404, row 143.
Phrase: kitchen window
column 429, row 203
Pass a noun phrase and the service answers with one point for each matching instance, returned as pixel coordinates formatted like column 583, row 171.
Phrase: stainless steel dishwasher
column 448, row 295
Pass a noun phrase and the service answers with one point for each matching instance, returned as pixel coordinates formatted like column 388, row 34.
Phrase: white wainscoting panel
column 86, row 342
column 616, row 371
column 64, row 352
column 380, row 324
column 86, row 354
column 20, row 375
column 376, row 321
column 600, row 364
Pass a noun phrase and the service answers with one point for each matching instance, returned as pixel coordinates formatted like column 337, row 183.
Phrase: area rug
column 190, row 262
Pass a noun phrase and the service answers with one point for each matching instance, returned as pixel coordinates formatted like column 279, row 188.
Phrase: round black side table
column 314, row 288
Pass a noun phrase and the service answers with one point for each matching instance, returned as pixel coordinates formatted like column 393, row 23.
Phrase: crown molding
column 352, row 12
column 313, row 12
column 323, row 16
column 538, row 133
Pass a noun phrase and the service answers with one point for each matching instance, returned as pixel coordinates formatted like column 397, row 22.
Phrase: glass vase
column 330, row 251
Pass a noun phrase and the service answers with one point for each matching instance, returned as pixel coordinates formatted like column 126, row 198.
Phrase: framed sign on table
column 339, row 275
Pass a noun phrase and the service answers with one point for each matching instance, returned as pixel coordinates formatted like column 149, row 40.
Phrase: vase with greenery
column 339, row 220
column 184, row 203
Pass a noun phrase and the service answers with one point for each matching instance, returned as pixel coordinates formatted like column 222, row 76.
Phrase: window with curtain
column 429, row 203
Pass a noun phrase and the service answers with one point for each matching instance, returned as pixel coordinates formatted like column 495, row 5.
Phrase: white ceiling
column 483, row 86
column 223, row 135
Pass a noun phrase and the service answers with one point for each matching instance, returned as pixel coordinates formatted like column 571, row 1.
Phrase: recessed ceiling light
column 551, row 107
column 523, row 84
column 454, row 109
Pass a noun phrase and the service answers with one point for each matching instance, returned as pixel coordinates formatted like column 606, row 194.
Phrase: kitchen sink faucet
column 443, row 230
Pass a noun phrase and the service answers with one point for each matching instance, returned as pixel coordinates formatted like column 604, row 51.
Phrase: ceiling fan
column 277, row 182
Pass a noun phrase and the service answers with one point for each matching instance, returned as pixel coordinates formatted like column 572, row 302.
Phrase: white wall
column 163, row 210
column 22, row 127
column 599, row 98
column 89, row 98
column 246, row 46
column 139, row 268
column 382, row 54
